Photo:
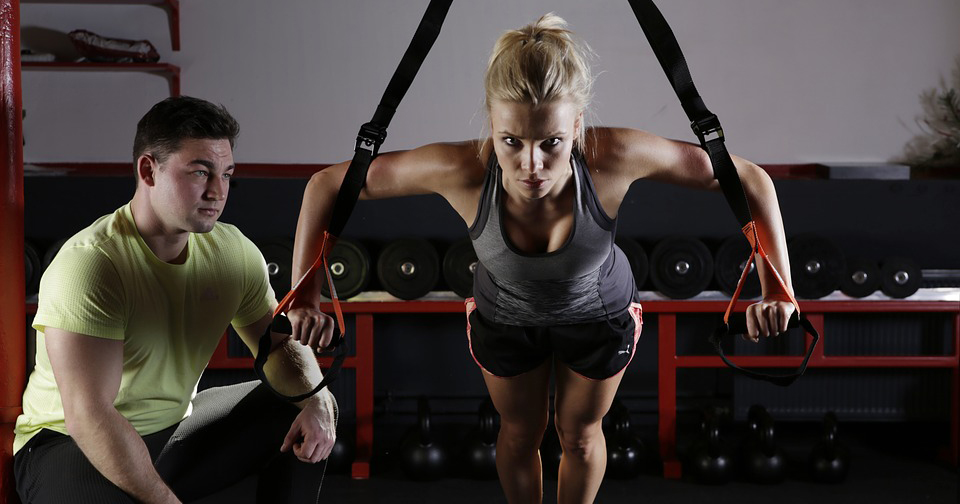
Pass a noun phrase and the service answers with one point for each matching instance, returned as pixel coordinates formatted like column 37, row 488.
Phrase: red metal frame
column 669, row 362
column 12, row 317
column 171, row 72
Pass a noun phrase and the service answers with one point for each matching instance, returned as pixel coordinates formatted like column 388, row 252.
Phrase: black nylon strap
column 373, row 133
column 369, row 139
column 708, row 130
column 704, row 123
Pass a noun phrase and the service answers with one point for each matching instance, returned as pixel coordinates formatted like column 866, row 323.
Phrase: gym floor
column 889, row 464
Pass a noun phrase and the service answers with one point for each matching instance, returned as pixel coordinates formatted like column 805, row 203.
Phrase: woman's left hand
column 767, row 318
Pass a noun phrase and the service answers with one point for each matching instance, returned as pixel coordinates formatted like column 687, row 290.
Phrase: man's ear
column 147, row 168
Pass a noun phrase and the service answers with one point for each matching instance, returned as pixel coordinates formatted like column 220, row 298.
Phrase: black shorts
column 595, row 350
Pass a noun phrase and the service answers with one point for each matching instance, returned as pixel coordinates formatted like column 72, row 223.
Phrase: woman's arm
column 626, row 155
column 451, row 170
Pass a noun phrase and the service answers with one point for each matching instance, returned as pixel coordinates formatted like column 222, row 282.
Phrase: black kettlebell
column 480, row 452
column 708, row 462
column 341, row 457
column 829, row 460
column 761, row 459
column 422, row 457
column 624, row 452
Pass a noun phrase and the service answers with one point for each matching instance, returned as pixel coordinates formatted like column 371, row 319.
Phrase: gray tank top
column 587, row 279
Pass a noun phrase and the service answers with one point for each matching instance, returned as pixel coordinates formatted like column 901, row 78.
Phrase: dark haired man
column 130, row 312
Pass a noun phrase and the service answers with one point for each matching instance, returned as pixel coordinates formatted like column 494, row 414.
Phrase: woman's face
column 533, row 145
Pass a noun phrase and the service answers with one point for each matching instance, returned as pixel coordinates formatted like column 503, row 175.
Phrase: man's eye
column 227, row 176
column 200, row 173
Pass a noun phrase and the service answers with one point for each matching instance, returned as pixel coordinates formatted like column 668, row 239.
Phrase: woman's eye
column 553, row 142
column 512, row 142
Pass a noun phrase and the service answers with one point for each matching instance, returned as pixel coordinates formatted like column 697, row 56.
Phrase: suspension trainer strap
column 710, row 133
column 369, row 140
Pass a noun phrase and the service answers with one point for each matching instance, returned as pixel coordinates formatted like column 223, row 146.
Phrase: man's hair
column 162, row 129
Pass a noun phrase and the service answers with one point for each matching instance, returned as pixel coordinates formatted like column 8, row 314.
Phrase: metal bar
column 364, row 373
column 845, row 361
column 667, row 387
column 13, row 320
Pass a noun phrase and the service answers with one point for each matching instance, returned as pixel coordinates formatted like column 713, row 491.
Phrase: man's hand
column 314, row 430
column 311, row 327
column 768, row 318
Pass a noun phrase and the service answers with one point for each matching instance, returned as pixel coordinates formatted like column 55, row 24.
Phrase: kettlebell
column 480, row 451
column 762, row 460
column 829, row 460
column 422, row 457
column 341, row 457
column 624, row 452
column 708, row 462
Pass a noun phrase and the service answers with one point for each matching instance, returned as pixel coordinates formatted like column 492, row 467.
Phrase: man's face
column 190, row 187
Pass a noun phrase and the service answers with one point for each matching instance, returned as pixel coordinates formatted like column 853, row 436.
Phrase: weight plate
column 862, row 277
column 279, row 257
column 349, row 268
column 637, row 256
column 459, row 263
column 816, row 264
column 728, row 264
column 51, row 252
column 409, row 268
column 681, row 267
column 31, row 267
column 900, row 277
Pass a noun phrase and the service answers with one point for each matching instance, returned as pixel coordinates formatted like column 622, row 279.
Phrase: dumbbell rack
column 666, row 312
column 944, row 301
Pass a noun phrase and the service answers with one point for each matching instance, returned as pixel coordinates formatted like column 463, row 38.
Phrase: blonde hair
column 540, row 63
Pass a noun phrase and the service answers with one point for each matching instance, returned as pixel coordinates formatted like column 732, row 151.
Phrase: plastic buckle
column 371, row 135
column 707, row 127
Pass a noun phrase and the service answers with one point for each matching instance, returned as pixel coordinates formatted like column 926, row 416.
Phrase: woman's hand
column 311, row 327
column 767, row 318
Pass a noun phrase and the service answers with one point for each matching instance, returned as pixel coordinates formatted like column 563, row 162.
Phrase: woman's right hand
column 311, row 327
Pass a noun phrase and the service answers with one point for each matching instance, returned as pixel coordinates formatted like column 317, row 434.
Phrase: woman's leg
column 522, row 401
column 581, row 404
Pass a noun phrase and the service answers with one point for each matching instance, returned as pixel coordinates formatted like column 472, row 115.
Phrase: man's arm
column 88, row 372
column 292, row 369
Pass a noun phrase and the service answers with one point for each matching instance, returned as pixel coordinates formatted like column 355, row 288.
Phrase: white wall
column 792, row 81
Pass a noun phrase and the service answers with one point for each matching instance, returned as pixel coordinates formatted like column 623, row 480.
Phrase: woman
column 540, row 197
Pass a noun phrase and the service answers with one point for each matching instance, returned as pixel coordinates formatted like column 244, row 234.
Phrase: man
column 129, row 314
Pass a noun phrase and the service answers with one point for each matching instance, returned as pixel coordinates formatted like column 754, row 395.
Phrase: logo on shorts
column 621, row 352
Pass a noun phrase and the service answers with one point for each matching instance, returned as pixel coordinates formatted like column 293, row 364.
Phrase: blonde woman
column 540, row 197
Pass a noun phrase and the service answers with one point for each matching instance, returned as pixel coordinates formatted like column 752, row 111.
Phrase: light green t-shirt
column 106, row 283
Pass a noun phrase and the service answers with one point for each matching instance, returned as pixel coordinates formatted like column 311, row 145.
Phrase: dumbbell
column 278, row 254
column 408, row 268
column 728, row 264
column 350, row 271
column 829, row 460
column 459, row 263
column 31, row 268
column 816, row 265
column 708, row 462
column 861, row 278
column 900, row 277
column 761, row 460
column 637, row 257
column 423, row 457
column 681, row 267
column 480, row 450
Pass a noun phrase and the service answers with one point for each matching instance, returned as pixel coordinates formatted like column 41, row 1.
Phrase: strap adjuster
column 373, row 135
column 708, row 126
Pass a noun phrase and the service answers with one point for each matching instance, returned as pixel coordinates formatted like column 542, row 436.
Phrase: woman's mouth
column 533, row 184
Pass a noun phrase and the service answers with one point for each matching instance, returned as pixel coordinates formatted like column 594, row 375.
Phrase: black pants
column 233, row 432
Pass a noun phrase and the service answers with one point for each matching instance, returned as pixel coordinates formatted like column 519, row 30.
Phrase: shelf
column 244, row 170
column 171, row 72
column 172, row 8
